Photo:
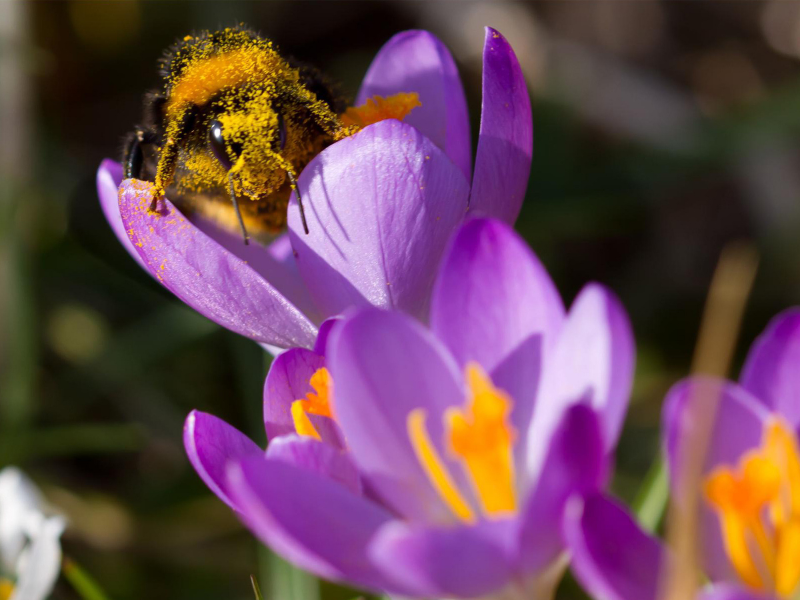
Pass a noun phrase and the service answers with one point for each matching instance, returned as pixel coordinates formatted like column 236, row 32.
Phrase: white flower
column 30, row 553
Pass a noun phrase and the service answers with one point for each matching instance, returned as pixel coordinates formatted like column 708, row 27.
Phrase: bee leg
column 133, row 156
column 296, row 189
column 236, row 209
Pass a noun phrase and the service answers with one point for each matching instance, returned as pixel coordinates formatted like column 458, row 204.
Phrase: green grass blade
column 651, row 500
column 86, row 587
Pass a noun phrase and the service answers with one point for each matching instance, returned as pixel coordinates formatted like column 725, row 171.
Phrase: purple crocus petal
column 325, row 329
column 737, row 428
column 384, row 365
column 210, row 444
column 452, row 562
column 381, row 206
column 612, row 557
column 495, row 304
column 576, row 463
column 271, row 263
column 313, row 522
column 316, row 456
column 206, row 276
column 505, row 143
column 731, row 592
column 416, row 61
column 288, row 380
column 492, row 293
column 592, row 361
column 109, row 177
column 772, row 370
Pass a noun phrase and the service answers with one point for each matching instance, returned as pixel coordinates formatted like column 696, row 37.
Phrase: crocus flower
column 30, row 553
column 750, row 516
column 380, row 204
column 436, row 462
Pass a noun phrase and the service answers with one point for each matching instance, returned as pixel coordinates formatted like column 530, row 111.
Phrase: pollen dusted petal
column 109, row 178
column 206, row 276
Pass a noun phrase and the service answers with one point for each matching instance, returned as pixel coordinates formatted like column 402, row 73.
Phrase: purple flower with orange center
column 436, row 462
column 750, row 517
column 380, row 204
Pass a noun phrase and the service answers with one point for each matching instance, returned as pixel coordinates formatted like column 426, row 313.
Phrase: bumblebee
column 232, row 129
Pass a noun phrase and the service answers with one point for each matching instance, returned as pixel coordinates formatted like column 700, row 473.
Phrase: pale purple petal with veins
column 288, row 380
column 505, row 142
column 576, row 463
column 611, row 556
column 416, row 61
column 461, row 562
column 495, row 304
column 772, row 370
column 318, row 457
column 592, row 361
column 380, row 206
column 314, row 522
column 384, row 365
column 210, row 444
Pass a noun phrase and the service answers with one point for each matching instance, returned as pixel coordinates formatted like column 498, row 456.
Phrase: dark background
column 662, row 132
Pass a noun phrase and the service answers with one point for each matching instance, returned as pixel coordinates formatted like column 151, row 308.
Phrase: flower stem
column 652, row 497
column 86, row 587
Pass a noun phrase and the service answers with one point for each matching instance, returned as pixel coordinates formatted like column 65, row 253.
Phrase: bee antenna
column 236, row 208
column 296, row 189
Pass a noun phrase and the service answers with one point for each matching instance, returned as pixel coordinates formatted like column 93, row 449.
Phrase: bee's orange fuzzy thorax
column 203, row 78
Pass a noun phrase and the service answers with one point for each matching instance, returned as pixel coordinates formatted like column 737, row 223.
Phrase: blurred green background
column 662, row 132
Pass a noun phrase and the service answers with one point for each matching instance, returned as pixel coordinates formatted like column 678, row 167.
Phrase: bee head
column 248, row 141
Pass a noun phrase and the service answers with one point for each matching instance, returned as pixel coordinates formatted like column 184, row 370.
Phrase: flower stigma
column 481, row 438
column 318, row 403
column 758, row 505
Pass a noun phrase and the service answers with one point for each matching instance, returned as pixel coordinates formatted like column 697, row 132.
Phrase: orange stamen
column 759, row 510
column 314, row 403
column 379, row 109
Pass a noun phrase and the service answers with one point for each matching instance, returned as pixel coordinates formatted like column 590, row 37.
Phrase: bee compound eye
column 221, row 150
column 281, row 131
column 217, row 141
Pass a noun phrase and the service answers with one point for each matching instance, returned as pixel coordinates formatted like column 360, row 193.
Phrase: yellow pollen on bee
column 378, row 108
column 758, row 505
column 313, row 404
column 481, row 438
column 204, row 78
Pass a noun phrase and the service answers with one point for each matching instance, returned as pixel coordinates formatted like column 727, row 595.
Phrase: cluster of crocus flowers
column 380, row 204
column 435, row 461
column 30, row 552
column 750, row 519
